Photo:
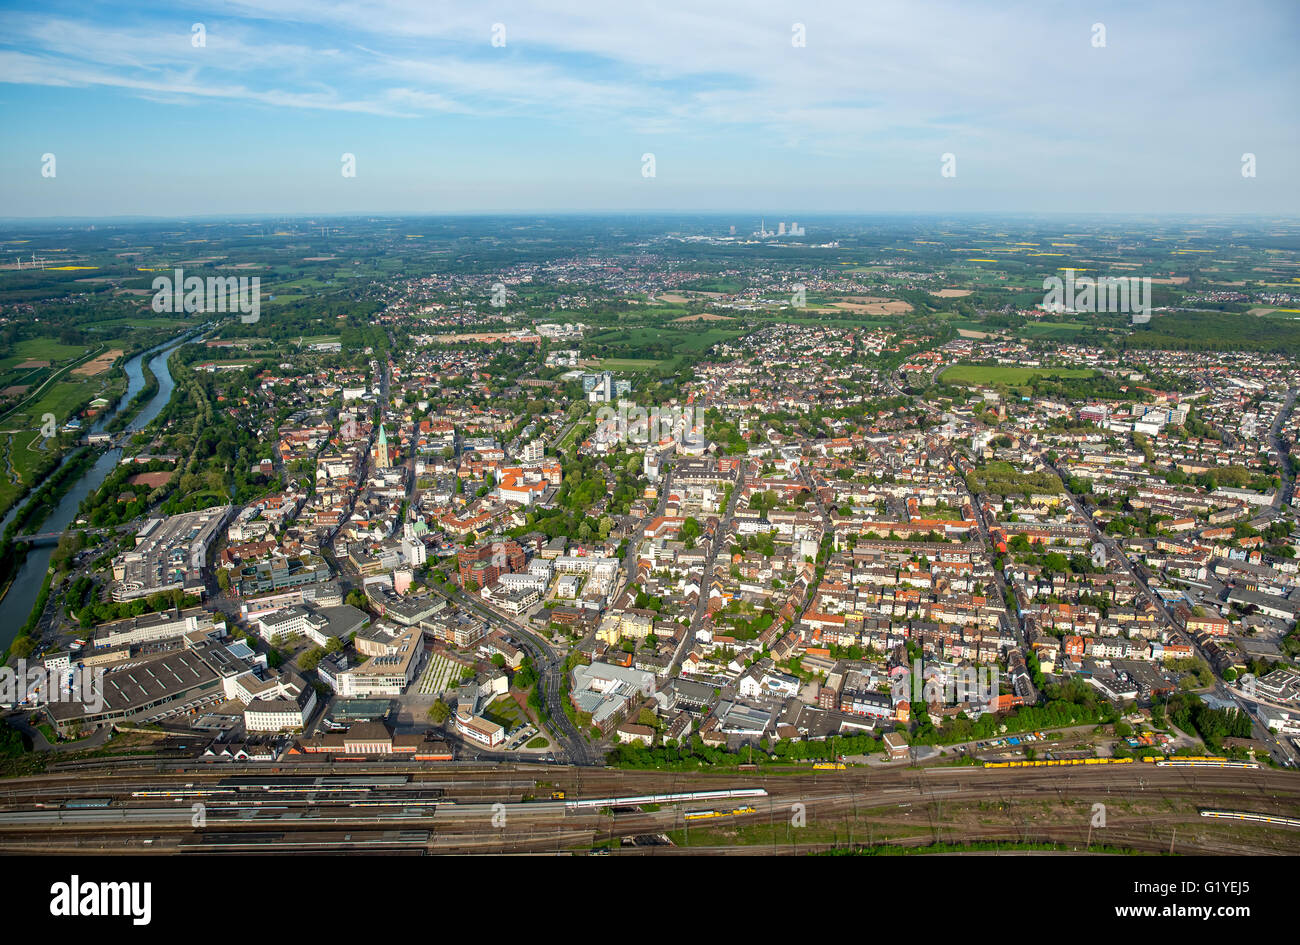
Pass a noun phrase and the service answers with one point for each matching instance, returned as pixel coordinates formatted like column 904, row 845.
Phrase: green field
column 1050, row 329
column 839, row 317
column 23, row 447
column 981, row 374
column 631, row 364
column 663, row 347
column 164, row 322
column 41, row 349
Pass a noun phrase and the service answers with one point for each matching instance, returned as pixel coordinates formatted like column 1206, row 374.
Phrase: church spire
column 381, row 449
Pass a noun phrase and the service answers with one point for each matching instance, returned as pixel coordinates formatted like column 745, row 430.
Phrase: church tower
column 381, row 450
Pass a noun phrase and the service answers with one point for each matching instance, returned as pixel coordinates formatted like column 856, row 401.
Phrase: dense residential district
column 633, row 510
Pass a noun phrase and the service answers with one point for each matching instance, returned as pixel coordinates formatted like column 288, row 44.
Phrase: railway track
column 482, row 809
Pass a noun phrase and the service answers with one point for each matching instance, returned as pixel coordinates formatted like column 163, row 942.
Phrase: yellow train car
column 1057, row 762
column 1205, row 763
column 710, row 814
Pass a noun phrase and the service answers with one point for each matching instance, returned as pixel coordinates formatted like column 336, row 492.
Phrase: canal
column 18, row 602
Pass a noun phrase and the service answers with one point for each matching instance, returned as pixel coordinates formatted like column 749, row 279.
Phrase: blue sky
column 142, row 121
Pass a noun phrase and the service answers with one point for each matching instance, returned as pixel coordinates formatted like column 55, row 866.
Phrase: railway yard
column 418, row 809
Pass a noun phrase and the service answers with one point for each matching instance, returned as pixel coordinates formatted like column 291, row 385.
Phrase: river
column 17, row 604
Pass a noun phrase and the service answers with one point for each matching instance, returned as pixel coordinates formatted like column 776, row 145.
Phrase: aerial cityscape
column 650, row 524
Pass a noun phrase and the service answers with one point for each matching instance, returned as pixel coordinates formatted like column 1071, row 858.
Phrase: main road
column 550, row 676
column 702, row 605
column 1278, row 749
column 1283, row 494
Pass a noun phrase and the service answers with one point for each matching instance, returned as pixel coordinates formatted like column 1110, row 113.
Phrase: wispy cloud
column 1017, row 89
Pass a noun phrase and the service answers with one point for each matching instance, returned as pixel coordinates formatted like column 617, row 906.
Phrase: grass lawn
column 440, row 675
column 631, row 364
column 505, row 712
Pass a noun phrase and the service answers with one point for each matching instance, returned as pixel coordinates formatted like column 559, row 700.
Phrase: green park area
column 631, row 364
column 45, row 384
column 505, row 712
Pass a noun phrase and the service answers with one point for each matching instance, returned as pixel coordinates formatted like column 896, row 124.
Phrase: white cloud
column 881, row 89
